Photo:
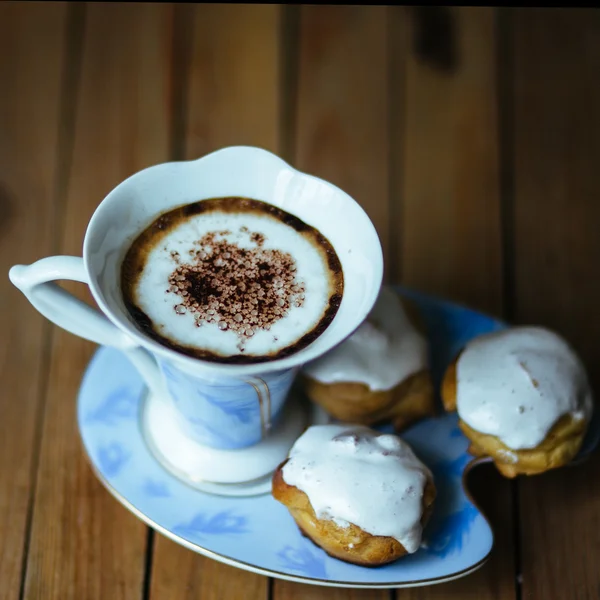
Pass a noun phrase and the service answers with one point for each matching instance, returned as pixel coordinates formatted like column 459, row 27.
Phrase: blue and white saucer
column 257, row 533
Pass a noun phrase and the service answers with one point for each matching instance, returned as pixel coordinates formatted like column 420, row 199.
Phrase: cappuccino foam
column 232, row 280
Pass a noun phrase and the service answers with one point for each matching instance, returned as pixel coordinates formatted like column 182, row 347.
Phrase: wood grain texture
column 234, row 74
column 31, row 57
column 84, row 544
column 449, row 179
column 557, row 187
column 450, row 218
column 341, row 120
column 180, row 573
column 232, row 99
column 300, row 591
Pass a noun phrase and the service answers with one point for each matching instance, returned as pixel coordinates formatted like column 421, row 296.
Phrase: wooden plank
column 31, row 57
column 300, row 591
column 180, row 573
column 556, row 157
column 84, row 544
column 342, row 104
column 233, row 98
column 341, row 126
column 450, row 202
column 450, row 216
column 234, row 73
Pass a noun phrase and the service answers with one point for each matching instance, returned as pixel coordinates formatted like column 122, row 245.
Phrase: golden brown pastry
column 363, row 497
column 522, row 397
column 379, row 374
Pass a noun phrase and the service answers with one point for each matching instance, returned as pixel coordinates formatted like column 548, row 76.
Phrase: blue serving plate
column 257, row 533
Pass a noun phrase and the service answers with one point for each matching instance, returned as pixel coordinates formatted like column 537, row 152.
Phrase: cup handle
column 73, row 315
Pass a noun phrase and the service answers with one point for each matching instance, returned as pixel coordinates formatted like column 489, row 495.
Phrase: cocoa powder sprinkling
column 241, row 289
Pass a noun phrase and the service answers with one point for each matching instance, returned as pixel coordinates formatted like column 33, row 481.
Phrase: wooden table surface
column 472, row 138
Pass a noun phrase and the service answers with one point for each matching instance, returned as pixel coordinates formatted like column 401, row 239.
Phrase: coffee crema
column 232, row 280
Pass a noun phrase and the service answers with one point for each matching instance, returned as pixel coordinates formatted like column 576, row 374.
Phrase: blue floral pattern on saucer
column 257, row 533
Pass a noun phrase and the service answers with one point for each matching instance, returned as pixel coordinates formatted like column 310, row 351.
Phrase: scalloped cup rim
column 318, row 347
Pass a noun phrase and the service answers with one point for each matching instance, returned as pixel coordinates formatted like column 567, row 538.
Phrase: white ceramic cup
column 218, row 405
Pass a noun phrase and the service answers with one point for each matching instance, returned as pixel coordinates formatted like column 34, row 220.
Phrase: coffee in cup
column 232, row 280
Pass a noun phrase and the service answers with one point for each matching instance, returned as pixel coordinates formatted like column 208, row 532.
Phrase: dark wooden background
column 472, row 138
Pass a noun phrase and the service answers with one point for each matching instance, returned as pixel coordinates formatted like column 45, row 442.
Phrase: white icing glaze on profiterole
column 517, row 383
column 383, row 352
column 352, row 474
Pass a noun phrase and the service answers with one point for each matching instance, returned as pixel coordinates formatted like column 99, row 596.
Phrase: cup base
column 242, row 472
